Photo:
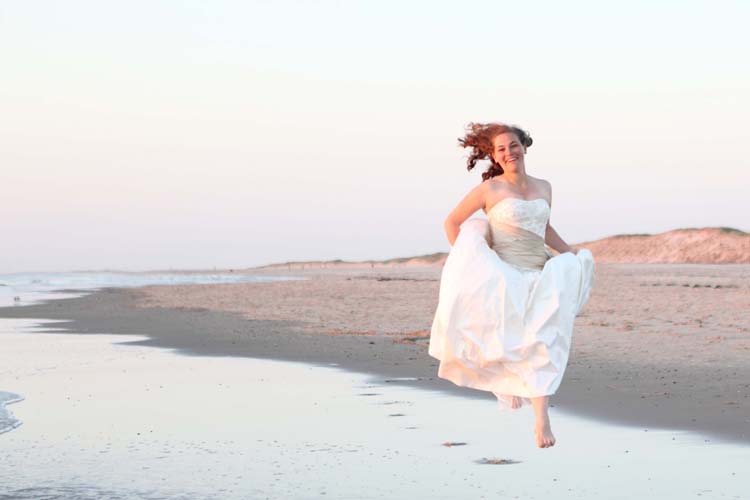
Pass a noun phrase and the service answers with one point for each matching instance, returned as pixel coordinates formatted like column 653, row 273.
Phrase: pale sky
column 153, row 135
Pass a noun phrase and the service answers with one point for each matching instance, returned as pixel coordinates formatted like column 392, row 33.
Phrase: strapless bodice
column 531, row 215
column 517, row 229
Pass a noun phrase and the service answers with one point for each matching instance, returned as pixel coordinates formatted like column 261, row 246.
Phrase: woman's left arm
column 551, row 237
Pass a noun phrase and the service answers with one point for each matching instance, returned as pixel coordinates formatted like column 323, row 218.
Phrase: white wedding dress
column 504, row 320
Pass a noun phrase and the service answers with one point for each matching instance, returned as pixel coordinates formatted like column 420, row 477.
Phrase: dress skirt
column 503, row 328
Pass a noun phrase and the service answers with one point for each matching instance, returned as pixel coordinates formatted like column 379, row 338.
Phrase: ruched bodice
column 531, row 215
column 517, row 228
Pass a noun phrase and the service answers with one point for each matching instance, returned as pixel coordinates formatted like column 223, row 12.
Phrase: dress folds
column 506, row 308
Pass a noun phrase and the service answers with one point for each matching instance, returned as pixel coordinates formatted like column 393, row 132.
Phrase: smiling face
column 508, row 151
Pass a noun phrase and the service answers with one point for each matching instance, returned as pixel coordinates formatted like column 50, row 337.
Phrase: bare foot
column 544, row 436
column 515, row 402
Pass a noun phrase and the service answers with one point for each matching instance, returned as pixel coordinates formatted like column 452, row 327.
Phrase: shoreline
column 600, row 384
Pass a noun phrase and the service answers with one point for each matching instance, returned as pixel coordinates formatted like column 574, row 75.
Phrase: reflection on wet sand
column 104, row 418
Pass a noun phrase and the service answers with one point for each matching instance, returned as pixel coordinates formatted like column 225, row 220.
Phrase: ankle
column 542, row 420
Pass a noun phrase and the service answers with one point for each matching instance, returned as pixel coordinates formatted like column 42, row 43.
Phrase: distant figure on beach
column 504, row 320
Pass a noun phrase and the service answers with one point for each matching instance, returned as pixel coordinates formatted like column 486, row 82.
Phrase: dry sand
column 656, row 346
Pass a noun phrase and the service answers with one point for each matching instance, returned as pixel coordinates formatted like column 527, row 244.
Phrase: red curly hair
column 479, row 137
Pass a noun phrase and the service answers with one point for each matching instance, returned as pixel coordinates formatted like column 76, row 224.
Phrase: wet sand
column 657, row 346
column 107, row 418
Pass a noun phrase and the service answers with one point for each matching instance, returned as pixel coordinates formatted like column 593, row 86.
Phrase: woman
column 504, row 320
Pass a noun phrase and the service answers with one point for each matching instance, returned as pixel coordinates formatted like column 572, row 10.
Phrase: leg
column 508, row 400
column 544, row 437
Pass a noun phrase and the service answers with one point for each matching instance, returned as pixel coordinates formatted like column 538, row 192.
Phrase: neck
column 518, row 178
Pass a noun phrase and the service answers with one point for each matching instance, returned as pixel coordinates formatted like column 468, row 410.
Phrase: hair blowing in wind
column 479, row 138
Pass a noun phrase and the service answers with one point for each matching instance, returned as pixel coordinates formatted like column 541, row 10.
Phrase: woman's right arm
column 472, row 202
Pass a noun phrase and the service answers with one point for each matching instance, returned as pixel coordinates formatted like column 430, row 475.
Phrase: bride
column 504, row 320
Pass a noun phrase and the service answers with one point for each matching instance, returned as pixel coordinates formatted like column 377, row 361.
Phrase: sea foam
column 21, row 289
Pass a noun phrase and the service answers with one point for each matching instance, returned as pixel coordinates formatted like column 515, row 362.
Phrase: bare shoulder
column 474, row 200
column 542, row 185
column 495, row 184
column 490, row 185
column 539, row 182
column 480, row 190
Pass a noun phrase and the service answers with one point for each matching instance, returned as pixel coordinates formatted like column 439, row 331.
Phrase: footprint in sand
column 397, row 403
column 497, row 461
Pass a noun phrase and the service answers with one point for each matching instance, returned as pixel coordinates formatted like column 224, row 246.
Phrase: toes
column 543, row 441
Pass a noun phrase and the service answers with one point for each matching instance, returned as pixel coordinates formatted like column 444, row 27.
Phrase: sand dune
column 709, row 245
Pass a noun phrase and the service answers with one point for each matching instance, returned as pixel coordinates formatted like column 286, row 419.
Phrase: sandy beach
column 106, row 417
column 657, row 346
